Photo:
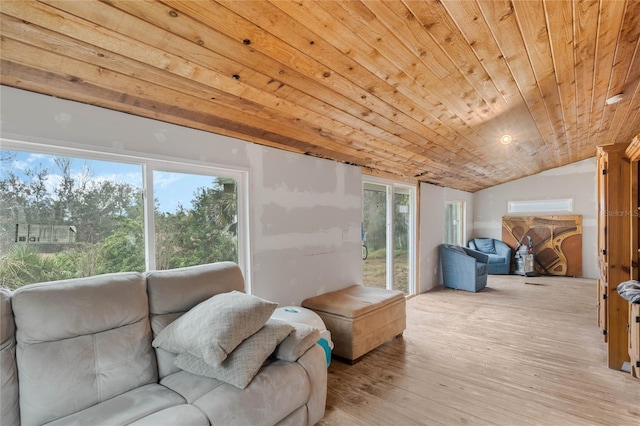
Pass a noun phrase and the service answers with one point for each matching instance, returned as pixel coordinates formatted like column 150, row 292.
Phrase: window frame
column 149, row 164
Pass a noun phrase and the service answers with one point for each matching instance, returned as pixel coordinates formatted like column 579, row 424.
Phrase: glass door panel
column 388, row 236
column 402, row 239
column 454, row 222
column 374, row 220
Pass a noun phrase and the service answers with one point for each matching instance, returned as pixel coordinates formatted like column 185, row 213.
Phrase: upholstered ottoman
column 360, row 318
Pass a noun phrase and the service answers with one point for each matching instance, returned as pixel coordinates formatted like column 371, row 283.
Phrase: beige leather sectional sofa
column 80, row 352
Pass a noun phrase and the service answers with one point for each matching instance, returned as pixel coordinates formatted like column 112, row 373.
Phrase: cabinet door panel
column 634, row 338
column 602, row 307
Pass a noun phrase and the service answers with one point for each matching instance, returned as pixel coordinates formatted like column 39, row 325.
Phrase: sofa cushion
column 182, row 415
column 125, row 408
column 175, row 291
column 10, row 413
column 244, row 362
column 277, row 390
column 190, row 386
column 166, row 359
column 178, row 290
column 89, row 337
column 485, row 245
column 52, row 311
column 215, row 327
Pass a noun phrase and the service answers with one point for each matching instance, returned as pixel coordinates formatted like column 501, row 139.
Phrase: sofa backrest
column 9, row 403
column 173, row 292
column 81, row 342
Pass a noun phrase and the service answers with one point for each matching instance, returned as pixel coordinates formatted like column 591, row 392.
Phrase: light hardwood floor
column 512, row 354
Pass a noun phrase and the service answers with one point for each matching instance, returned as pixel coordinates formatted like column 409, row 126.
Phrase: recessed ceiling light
column 614, row 99
column 505, row 139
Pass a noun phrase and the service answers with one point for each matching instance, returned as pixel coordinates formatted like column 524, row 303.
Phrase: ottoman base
column 360, row 318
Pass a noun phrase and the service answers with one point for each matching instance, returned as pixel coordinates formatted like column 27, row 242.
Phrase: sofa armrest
column 9, row 394
column 297, row 343
column 314, row 363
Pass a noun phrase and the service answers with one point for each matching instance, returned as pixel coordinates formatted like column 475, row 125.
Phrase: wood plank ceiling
column 422, row 89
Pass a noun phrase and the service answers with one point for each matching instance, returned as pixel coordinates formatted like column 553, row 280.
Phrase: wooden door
column 602, row 227
column 614, row 240
column 602, row 307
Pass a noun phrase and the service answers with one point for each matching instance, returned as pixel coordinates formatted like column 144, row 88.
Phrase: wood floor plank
column 524, row 351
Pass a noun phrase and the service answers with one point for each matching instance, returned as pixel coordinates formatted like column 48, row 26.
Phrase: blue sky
column 169, row 188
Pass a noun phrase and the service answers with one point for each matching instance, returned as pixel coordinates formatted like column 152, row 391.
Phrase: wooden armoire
column 618, row 239
column 633, row 323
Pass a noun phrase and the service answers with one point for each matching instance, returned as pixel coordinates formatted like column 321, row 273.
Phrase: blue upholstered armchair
column 499, row 254
column 463, row 268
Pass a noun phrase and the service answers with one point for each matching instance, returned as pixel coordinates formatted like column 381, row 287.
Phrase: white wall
column 306, row 225
column 576, row 181
column 432, row 209
column 305, row 212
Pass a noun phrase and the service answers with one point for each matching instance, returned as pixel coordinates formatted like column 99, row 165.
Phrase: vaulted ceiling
column 422, row 89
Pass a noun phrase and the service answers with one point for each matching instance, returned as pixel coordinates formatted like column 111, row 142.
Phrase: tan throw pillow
column 243, row 363
column 215, row 327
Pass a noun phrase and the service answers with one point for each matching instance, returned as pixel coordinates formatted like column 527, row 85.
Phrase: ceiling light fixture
column 614, row 99
column 505, row 139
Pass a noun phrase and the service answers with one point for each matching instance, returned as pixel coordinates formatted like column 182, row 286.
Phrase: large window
column 196, row 219
column 388, row 218
column 68, row 215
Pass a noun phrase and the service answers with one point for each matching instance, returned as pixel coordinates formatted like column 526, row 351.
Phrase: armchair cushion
column 485, row 245
column 495, row 258
column 499, row 254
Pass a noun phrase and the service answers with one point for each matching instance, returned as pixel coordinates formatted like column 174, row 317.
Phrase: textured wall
column 432, row 208
column 306, row 225
column 305, row 212
column 576, row 181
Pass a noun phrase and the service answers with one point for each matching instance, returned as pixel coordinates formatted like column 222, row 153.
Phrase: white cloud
column 164, row 179
column 133, row 178
column 20, row 165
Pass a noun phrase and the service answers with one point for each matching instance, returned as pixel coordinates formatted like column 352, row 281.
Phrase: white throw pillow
column 244, row 362
column 215, row 327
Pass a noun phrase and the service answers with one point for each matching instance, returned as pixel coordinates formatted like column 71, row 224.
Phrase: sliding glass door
column 388, row 229
column 403, row 232
column 374, row 222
